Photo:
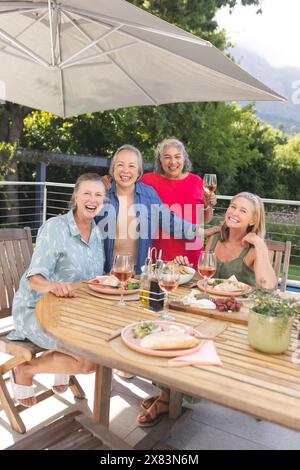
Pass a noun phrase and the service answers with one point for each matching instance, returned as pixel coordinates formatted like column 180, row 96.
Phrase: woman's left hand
column 210, row 198
column 251, row 239
column 62, row 289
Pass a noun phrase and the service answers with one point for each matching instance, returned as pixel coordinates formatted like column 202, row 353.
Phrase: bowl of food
column 186, row 273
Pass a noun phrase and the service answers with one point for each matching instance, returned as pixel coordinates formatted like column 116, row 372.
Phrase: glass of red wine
column 168, row 280
column 123, row 270
column 210, row 182
column 207, row 265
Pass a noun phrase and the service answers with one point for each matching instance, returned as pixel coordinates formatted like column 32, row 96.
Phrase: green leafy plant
column 272, row 304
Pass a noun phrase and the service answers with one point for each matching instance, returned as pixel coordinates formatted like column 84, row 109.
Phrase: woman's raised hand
column 210, row 198
column 62, row 289
column 107, row 181
column 251, row 239
column 183, row 260
column 208, row 232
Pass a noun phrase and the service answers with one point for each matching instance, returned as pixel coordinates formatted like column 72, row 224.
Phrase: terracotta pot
column 269, row 334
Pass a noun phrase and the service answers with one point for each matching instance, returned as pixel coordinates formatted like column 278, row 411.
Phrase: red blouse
column 186, row 198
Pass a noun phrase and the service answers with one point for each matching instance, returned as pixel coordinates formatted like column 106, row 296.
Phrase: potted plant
column 270, row 322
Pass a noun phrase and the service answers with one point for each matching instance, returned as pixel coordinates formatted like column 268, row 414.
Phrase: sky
column 275, row 35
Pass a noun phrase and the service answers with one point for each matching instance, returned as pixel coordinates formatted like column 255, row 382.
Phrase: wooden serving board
column 234, row 317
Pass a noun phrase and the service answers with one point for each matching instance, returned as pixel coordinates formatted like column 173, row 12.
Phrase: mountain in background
column 280, row 79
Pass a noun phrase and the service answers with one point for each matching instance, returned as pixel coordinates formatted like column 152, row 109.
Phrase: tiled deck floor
column 210, row 427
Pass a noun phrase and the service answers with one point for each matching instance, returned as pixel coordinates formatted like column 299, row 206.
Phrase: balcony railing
column 30, row 204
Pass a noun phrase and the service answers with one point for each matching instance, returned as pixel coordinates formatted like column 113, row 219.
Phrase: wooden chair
column 279, row 254
column 74, row 431
column 15, row 255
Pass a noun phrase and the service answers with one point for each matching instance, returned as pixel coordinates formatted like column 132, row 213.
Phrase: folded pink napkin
column 205, row 356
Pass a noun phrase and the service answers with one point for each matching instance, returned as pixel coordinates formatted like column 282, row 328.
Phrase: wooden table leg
column 175, row 408
column 102, row 394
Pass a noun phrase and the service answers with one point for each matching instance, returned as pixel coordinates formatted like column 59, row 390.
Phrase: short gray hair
column 132, row 149
column 80, row 179
column 171, row 142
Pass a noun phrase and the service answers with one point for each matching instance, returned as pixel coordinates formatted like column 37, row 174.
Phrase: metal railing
column 30, row 204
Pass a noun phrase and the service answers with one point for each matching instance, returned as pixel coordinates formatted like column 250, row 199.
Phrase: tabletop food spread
column 161, row 338
column 225, row 287
column 111, row 285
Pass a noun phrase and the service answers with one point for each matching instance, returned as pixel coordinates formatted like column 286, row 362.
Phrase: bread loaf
column 169, row 340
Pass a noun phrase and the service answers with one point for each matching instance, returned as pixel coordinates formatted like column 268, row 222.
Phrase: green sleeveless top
column 237, row 266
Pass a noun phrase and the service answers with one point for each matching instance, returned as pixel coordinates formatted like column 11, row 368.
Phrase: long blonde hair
column 259, row 226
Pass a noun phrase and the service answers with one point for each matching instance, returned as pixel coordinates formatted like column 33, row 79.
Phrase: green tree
column 288, row 160
column 209, row 129
column 259, row 173
column 11, row 128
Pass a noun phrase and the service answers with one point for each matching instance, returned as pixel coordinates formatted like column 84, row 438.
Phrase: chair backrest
column 15, row 255
column 279, row 255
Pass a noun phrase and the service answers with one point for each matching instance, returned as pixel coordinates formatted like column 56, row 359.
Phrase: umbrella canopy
column 72, row 57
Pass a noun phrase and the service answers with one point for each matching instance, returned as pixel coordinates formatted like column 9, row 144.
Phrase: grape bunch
column 224, row 305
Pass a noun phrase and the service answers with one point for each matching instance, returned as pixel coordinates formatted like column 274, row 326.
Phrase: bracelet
column 207, row 208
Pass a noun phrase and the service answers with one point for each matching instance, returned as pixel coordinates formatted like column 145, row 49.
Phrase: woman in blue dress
column 69, row 248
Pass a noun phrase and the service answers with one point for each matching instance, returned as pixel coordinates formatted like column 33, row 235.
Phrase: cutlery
column 197, row 335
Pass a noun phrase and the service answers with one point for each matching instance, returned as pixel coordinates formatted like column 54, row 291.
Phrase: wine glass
column 207, row 265
column 168, row 280
column 123, row 269
column 210, row 182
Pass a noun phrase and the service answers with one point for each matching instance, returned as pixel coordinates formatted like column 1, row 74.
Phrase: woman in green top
column 240, row 247
column 239, row 244
column 240, row 250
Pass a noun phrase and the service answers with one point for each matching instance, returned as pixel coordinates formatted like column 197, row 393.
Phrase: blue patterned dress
column 61, row 254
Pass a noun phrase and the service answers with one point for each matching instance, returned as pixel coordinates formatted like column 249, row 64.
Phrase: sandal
column 152, row 415
column 21, row 392
column 61, row 383
column 147, row 402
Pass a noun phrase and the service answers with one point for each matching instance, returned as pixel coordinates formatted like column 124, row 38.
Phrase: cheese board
column 240, row 317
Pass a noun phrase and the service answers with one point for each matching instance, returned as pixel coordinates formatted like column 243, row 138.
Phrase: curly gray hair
column 171, row 142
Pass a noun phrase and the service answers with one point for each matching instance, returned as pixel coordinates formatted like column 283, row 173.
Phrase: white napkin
column 205, row 356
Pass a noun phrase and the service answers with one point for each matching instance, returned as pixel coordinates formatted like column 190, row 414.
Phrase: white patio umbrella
column 72, row 57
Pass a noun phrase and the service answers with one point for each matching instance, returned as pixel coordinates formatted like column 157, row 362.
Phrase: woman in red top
column 183, row 192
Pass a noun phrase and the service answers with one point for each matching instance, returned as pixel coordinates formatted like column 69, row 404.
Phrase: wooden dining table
column 263, row 385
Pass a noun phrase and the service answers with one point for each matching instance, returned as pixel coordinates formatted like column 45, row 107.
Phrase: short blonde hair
column 258, row 213
column 171, row 142
column 132, row 149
